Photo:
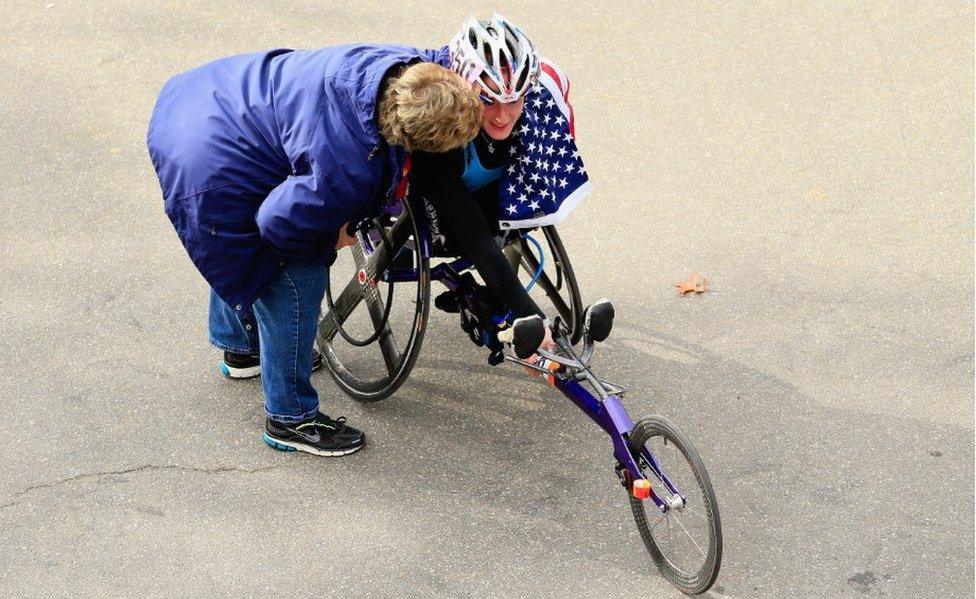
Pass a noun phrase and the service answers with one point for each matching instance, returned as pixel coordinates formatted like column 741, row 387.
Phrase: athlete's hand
column 344, row 239
column 547, row 344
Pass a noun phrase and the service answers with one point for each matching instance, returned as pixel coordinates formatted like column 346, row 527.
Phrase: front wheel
column 685, row 541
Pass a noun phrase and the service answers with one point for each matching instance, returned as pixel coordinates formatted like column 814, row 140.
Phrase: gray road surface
column 815, row 160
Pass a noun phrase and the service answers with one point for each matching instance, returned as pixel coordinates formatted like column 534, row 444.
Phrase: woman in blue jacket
column 262, row 160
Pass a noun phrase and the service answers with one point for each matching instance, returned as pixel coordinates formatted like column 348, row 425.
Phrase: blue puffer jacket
column 262, row 157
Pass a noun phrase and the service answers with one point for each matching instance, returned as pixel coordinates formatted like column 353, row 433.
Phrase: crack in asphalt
column 143, row 468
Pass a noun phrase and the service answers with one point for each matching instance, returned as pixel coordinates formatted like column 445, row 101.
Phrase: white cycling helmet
column 485, row 47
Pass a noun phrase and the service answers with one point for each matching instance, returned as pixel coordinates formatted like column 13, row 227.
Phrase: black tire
column 557, row 281
column 396, row 363
column 701, row 503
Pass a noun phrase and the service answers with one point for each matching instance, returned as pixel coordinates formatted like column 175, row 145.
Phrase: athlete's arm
column 438, row 177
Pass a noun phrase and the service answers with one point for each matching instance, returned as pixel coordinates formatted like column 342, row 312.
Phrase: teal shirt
column 475, row 175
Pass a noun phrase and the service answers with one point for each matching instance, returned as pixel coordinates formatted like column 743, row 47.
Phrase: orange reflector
column 552, row 367
column 642, row 488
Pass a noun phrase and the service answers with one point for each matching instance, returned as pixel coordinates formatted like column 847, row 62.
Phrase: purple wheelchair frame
column 606, row 411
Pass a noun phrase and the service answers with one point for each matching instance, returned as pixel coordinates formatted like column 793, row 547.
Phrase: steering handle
column 525, row 335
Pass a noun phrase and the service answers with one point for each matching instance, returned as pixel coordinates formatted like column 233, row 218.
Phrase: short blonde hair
column 430, row 108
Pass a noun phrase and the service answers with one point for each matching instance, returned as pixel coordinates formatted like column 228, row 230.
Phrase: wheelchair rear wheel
column 375, row 371
column 557, row 288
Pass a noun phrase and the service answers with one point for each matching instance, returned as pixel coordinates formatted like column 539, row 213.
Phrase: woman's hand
column 344, row 239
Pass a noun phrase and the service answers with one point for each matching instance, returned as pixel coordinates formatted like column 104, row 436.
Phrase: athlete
column 461, row 185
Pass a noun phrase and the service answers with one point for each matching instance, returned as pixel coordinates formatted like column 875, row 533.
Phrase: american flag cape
column 545, row 178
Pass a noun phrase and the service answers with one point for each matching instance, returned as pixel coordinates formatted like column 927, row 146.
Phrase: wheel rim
column 557, row 283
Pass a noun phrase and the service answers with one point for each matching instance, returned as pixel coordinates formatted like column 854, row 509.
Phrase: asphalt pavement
column 813, row 159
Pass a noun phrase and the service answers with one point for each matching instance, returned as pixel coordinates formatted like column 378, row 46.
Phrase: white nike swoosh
column 313, row 438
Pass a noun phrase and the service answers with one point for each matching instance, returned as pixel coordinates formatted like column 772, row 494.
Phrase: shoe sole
column 239, row 373
column 292, row 446
column 254, row 371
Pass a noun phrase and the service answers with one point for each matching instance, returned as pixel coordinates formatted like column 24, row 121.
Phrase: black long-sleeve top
column 469, row 220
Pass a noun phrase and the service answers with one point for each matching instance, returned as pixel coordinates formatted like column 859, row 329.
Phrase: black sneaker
column 320, row 435
column 248, row 366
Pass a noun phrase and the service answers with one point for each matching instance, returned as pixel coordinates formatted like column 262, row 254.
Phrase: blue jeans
column 281, row 328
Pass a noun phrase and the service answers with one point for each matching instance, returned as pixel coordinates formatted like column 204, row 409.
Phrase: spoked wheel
column 557, row 288
column 373, row 371
column 685, row 542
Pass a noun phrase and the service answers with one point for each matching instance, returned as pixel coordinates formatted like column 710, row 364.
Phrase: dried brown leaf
column 692, row 285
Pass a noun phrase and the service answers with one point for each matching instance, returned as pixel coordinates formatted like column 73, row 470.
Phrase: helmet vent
column 522, row 77
column 511, row 40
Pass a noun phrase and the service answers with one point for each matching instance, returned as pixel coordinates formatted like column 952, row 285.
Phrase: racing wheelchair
column 370, row 352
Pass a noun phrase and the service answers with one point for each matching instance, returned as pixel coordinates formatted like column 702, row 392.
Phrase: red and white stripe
column 557, row 83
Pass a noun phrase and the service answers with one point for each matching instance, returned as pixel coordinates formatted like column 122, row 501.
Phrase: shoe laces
column 324, row 421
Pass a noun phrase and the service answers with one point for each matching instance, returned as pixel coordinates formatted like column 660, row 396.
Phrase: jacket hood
column 357, row 82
